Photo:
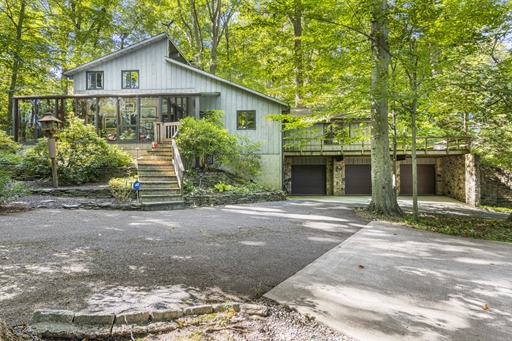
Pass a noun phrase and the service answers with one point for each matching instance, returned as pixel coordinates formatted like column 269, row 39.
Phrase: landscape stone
column 199, row 310
column 52, row 316
column 165, row 315
column 84, row 318
column 254, row 309
column 133, row 318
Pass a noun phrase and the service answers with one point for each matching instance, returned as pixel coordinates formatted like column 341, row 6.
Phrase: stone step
column 158, row 162
column 153, row 157
column 160, row 184
column 157, row 191
column 164, row 206
column 157, row 178
column 145, row 198
column 155, row 168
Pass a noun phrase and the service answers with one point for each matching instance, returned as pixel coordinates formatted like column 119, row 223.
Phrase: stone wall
column 287, row 174
column 472, row 172
column 338, row 177
column 232, row 199
column 329, row 176
column 96, row 192
column 451, row 177
column 495, row 186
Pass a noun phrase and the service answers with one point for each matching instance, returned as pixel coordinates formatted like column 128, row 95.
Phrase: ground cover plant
column 487, row 229
column 80, row 155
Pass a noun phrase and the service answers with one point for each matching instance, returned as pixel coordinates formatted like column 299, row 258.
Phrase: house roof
column 173, row 52
column 220, row 79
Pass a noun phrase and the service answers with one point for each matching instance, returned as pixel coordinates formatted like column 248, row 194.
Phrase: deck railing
column 424, row 144
column 178, row 165
column 164, row 131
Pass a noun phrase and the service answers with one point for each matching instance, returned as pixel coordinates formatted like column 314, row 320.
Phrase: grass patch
column 497, row 209
column 497, row 230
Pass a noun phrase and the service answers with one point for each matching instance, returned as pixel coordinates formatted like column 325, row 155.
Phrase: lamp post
column 51, row 124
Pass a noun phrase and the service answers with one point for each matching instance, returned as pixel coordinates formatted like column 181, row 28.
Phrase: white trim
column 201, row 72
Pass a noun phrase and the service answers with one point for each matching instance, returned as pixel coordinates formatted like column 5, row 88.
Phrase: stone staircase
column 159, row 188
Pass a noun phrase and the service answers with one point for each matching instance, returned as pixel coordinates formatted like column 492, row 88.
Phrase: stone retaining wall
column 100, row 192
column 496, row 186
column 232, row 199
column 451, row 177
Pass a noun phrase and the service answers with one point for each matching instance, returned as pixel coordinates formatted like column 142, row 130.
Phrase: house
column 141, row 91
column 137, row 95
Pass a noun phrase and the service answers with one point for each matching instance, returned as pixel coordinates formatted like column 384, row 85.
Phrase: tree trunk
column 298, row 59
column 15, row 67
column 383, row 195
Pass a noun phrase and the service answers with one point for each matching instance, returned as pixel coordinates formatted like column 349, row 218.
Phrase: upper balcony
column 315, row 143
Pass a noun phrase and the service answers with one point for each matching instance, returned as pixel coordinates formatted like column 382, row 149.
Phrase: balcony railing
column 424, row 144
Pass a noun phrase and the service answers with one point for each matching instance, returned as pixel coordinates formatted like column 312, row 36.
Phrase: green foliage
column 222, row 187
column 122, row 188
column 80, row 154
column 188, row 186
column 7, row 144
column 497, row 230
column 244, row 159
column 10, row 190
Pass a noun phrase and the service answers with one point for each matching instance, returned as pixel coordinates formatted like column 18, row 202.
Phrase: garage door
column 358, row 179
column 426, row 179
column 308, row 180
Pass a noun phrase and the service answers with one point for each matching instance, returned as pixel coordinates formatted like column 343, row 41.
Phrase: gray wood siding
column 149, row 60
column 156, row 75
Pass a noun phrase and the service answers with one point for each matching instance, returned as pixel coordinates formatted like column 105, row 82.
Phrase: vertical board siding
column 158, row 75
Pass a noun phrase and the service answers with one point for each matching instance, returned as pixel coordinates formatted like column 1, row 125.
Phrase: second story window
column 130, row 79
column 94, row 80
column 246, row 119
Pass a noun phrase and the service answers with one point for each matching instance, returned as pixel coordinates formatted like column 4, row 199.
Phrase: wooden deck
column 425, row 146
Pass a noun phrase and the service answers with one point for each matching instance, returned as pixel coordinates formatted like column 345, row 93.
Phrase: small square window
column 94, row 80
column 130, row 79
column 246, row 119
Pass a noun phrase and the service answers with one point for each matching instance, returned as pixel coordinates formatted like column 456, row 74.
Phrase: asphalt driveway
column 114, row 260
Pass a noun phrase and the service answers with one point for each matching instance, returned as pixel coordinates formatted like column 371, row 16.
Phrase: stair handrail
column 178, row 164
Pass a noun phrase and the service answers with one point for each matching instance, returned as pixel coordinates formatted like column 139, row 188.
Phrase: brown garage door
column 426, row 179
column 308, row 180
column 358, row 179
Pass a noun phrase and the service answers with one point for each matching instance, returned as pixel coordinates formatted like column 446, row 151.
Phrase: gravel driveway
column 87, row 260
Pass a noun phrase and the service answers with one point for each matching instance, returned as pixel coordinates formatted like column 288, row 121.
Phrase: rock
column 199, row 310
column 7, row 333
column 70, row 207
column 254, row 309
column 52, row 316
column 166, row 315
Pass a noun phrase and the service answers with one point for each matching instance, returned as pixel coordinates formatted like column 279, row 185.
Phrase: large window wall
column 116, row 119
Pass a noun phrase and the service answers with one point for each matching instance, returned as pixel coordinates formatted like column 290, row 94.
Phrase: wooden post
column 52, row 153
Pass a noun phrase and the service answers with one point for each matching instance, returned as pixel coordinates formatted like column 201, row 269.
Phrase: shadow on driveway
column 120, row 261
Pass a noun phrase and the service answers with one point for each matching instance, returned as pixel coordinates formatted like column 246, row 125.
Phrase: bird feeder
column 50, row 124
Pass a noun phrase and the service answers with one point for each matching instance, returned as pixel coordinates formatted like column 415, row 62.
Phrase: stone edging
column 65, row 324
column 202, row 200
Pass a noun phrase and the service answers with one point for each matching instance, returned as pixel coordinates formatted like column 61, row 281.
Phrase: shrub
column 122, row 188
column 203, row 138
column 206, row 137
column 80, row 154
column 10, row 190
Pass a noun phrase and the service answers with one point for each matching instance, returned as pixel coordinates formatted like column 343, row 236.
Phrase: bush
column 10, row 190
column 206, row 137
column 200, row 139
column 122, row 188
column 80, row 154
